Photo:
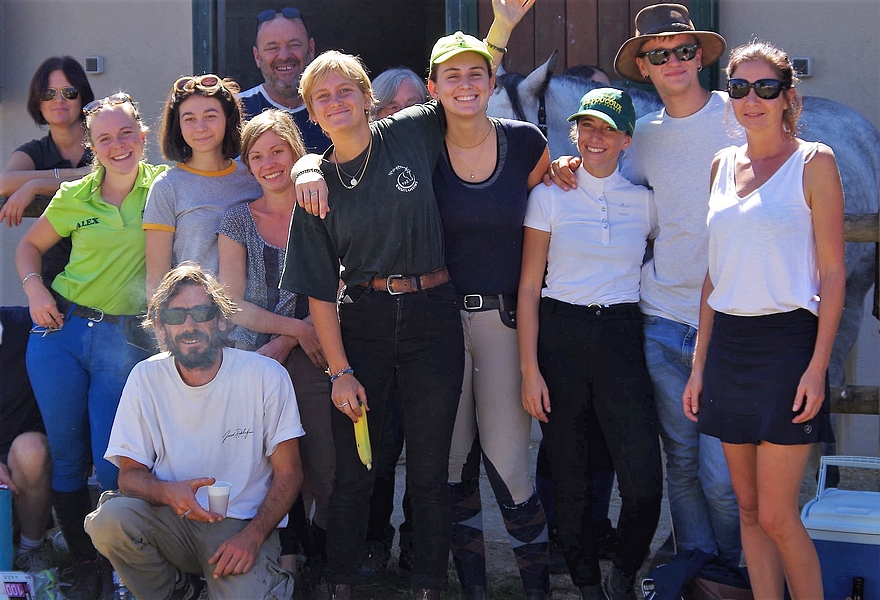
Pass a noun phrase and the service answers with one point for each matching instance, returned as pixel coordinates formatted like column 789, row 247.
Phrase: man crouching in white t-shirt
column 197, row 414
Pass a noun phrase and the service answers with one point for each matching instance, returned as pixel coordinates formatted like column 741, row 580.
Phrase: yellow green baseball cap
column 456, row 43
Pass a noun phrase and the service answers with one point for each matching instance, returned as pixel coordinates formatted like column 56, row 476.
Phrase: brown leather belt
column 408, row 284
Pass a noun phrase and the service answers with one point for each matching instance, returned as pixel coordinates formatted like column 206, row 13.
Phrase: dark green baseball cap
column 613, row 106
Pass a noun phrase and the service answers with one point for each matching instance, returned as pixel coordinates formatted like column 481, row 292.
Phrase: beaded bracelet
column 28, row 276
column 494, row 47
column 339, row 374
column 304, row 171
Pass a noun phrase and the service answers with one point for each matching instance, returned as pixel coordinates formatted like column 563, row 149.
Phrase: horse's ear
column 536, row 83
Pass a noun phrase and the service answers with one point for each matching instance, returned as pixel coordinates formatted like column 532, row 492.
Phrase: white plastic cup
column 218, row 497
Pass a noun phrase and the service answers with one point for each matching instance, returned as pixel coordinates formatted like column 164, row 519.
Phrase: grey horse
column 545, row 98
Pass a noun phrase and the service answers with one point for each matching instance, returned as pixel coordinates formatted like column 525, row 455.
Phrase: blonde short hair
column 278, row 121
column 345, row 65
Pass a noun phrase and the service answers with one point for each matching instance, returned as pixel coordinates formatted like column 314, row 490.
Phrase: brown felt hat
column 664, row 20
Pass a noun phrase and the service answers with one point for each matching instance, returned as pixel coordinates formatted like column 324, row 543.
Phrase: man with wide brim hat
column 672, row 151
column 664, row 20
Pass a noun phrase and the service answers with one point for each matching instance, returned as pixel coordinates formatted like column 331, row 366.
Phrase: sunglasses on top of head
column 660, row 56
column 177, row 316
column 766, row 89
column 287, row 12
column 113, row 100
column 68, row 93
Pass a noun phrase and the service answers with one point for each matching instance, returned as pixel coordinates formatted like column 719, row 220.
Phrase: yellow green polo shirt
column 107, row 268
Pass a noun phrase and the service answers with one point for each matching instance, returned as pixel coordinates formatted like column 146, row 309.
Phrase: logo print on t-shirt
column 87, row 222
column 406, row 181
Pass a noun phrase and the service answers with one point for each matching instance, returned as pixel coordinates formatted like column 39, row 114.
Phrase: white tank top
column 762, row 251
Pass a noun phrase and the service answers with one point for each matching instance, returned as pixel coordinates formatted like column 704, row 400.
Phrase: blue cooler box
column 845, row 527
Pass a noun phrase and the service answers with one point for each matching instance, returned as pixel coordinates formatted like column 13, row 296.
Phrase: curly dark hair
column 174, row 147
column 74, row 73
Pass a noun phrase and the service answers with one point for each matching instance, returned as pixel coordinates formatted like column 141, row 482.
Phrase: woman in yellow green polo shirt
column 84, row 341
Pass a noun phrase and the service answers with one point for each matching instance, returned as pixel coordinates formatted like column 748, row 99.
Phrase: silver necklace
column 359, row 173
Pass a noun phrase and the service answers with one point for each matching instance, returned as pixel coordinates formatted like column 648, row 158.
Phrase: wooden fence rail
column 848, row 400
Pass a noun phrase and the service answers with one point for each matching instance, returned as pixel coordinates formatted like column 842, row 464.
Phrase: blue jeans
column 705, row 515
column 413, row 341
column 78, row 374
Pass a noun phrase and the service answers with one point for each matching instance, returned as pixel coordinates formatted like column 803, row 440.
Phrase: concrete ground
column 503, row 576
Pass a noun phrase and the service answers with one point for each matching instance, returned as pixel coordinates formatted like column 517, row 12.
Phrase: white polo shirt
column 598, row 236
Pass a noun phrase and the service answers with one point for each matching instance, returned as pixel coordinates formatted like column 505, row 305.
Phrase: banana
column 362, row 438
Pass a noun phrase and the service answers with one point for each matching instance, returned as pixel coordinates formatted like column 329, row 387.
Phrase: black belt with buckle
column 95, row 315
column 478, row 302
column 611, row 311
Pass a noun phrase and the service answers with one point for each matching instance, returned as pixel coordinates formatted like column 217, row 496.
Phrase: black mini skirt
column 753, row 368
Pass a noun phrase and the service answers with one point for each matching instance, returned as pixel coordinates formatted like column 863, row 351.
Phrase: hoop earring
column 699, row 68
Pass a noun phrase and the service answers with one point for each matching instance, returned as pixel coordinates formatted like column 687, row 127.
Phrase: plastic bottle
column 5, row 529
column 858, row 591
column 120, row 592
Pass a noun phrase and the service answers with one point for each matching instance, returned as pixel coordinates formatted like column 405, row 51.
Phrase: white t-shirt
column 598, row 235
column 191, row 203
column 226, row 429
column 762, row 249
column 673, row 156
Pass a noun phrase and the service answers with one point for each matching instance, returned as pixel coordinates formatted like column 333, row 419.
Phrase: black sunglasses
column 286, row 12
column 67, row 92
column 685, row 52
column 766, row 89
column 177, row 316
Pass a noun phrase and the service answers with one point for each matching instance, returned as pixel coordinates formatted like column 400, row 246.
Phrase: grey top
column 238, row 225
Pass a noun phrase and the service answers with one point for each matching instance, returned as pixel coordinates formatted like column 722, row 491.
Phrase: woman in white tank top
column 759, row 378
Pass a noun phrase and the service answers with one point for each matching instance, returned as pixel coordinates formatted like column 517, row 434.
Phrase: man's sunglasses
column 114, row 100
column 67, row 92
column 287, row 12
column 766, row 89
column 684, row 53
column 177, row 316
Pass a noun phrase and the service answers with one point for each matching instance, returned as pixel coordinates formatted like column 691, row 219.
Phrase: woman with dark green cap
column 581, row 343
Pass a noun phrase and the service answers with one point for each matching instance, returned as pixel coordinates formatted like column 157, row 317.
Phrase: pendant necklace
column 359, row 173
column 480, row 144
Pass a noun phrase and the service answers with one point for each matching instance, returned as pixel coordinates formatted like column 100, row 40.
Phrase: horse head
column 546, row 99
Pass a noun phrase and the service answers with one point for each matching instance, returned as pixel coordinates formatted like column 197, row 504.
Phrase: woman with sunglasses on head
column 770, row 308
column 201, row 130
column 252, row 241
column 86, row 327
column 58, row 91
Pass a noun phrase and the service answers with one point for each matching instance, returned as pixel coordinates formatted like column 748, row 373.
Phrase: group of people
column 420, row 262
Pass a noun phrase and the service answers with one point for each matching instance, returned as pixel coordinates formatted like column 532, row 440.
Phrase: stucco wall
column 841, row 36
column 146, row 45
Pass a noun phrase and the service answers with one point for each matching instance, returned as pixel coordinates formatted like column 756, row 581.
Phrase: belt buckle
column 97, row 319
column 468, row 306
column 388, row 284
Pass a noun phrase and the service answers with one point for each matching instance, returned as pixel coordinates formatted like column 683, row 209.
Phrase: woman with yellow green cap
column 398, row 319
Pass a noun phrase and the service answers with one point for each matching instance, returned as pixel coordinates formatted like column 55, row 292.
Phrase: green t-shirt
column 107, row 268
column 388, row 224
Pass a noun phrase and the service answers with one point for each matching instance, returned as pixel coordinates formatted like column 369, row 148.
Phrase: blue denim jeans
column 413, row 341
column 704, row 510
column 78, row 373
